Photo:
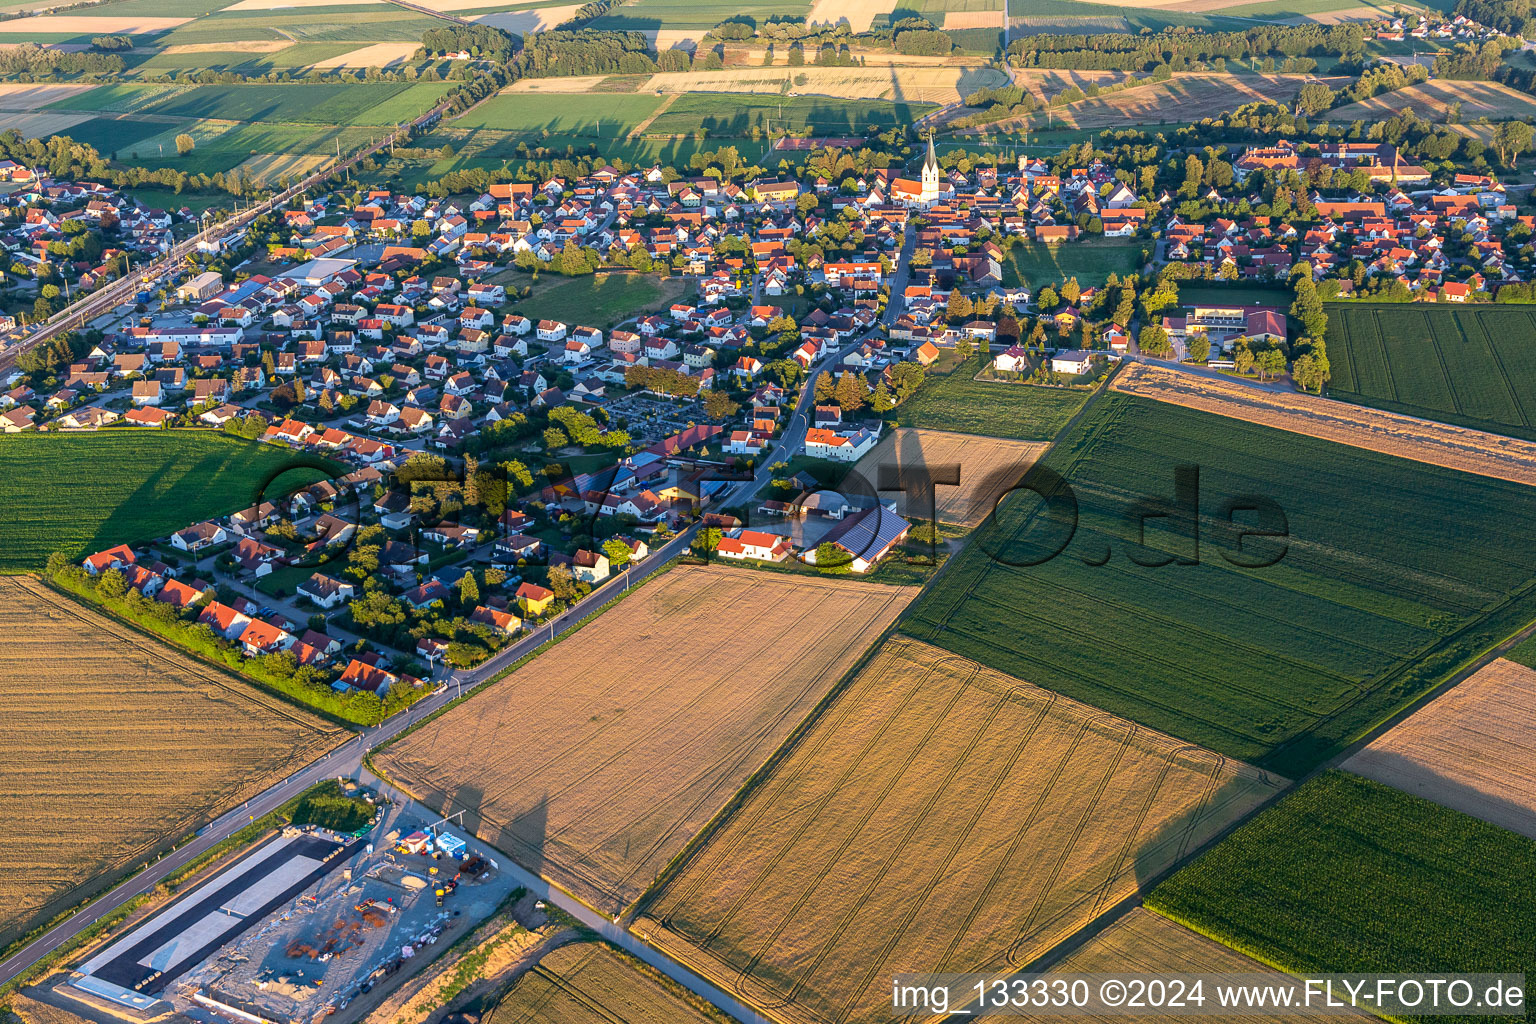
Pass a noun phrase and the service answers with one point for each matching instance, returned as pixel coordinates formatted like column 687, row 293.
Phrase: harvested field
column 42, row 124
column 591, row 983
column 269, row 167
column 275, row 5
column 915, row 85
column 569, row 84
column 955, row 21
column 375, row 55
column 233, row 46
column 859, row 14
column 522, row 22
column 987, row 465
column 1439, row 444
column 665, row 706
column 1046, row 82
column 939, row 816
column 1186, row 97
column 28, row 96
column 1472, row 749
column 88, row 25
column 117, row 747
column 1432, row 100
column 1142, row 942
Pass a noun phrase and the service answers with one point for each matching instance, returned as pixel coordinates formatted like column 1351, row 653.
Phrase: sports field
column 1348, row 875
column 1090, row 260
column 1472, row 749
column 1472, row 365
column 117, row 747
column 1391, row 575
column 591, row 983
column 663, row 707
column 956, row 401
column 79, row 493
column 942, row 817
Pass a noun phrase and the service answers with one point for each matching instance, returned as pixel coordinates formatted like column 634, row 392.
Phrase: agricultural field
column 336, row 103
column 1459, row 448
column 318, row 23
column 988, row 466
column 27, row 97
column 1473, row 749
column 938, row 814
column 666, row 705
column 1143, row 943
column 83, row 492
column 957, row 402
column 1390, row 575
column 1471, row 366
column 737, row 114
column 603, row 115
column 118, row 746
column 693, row 16
column 1090, row 260
column 600, row 300
column 1188, row 96
column 1348, row 875
column 1432, row 101
column 920, row 85
column 591, row 983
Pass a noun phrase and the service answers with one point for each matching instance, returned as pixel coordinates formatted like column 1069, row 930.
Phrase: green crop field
column 359, row 23
column 80, row 493
column 122, row 98
column 1347, row 875
column 1469, row 365
column 694, row 15
column 735, row 114
column 956, row 401
column 600, row 300
column 220, row 147
column 598, row 115
column 110, row 135
column 494, row 149
column 370, row 103
column 1091, row 261
column 1394, row 575
column 300, row 55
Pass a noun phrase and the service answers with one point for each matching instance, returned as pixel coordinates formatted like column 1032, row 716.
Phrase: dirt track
column 1439, row 444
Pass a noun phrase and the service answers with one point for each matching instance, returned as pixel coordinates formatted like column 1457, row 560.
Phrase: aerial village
column 495, row 468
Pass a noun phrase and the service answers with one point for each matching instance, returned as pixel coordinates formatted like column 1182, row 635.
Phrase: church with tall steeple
column 930, row 192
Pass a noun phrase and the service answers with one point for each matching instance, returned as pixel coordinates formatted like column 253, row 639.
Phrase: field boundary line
column 638, row 131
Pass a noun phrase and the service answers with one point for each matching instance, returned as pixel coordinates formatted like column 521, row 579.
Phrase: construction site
column 309, row 925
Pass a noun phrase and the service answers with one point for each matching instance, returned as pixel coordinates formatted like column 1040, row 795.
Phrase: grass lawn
column 1090, row 260
column 1468, row 365
column 600, row 300
column 281, row 582
column 80, row 493
column 1348, row 875
column 1394, row 574
column 955, row 401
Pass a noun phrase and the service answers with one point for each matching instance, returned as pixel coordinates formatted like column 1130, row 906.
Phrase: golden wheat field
column 1186, row 97
column 1432, row 100
column 595, row 763
column 1144, row 943
column 589, row 983
column 987, row 466
column 939, row 816
column 116, row 746
column 907, row 84
column 1473, row 749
